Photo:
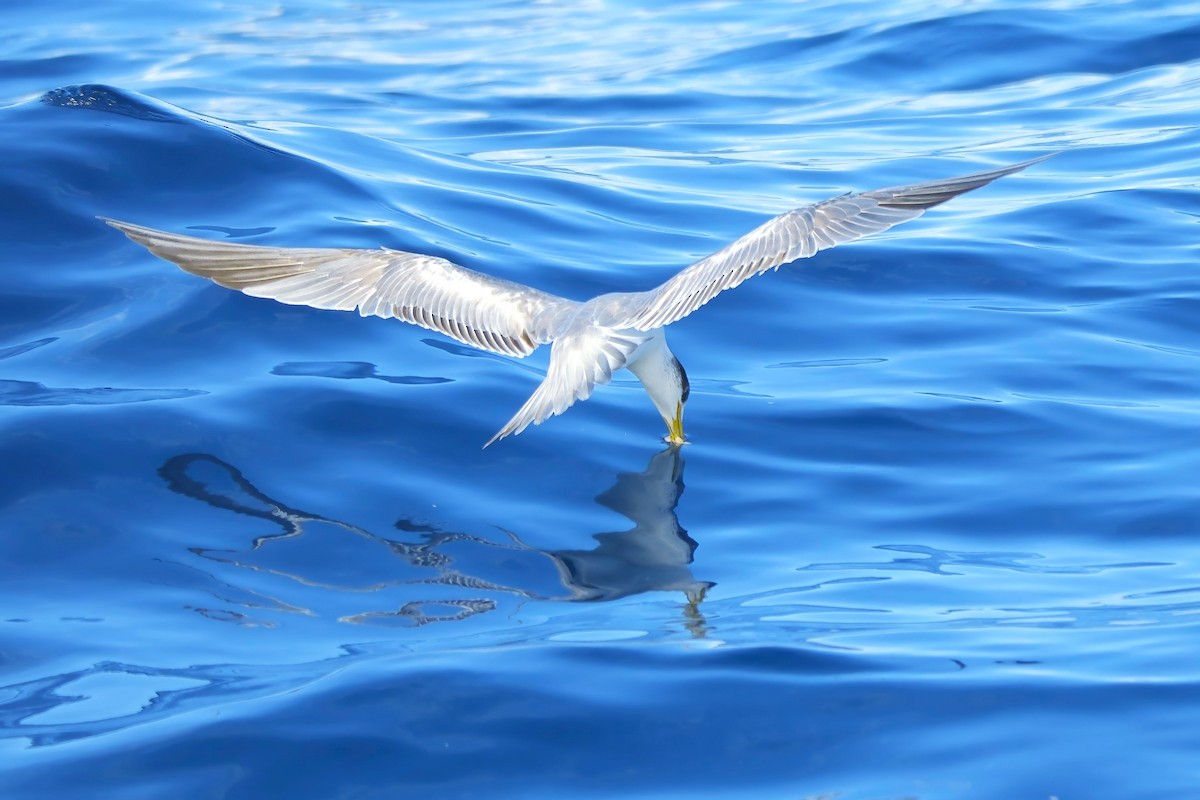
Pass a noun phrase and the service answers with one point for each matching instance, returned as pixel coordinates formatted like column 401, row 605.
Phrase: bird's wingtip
column 1036, row 160
column 500, row 434
column 127, row 228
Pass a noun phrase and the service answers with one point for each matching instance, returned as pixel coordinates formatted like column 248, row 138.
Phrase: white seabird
column 589, row 340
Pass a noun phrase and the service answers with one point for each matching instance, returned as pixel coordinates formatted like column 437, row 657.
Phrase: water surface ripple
column 933, row 536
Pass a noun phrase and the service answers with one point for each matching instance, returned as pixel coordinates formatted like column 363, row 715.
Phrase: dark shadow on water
column 232, row 233
column 20, row 349
column 456, row 349
column 29, row 393
column 350, row 370
column 432, row 575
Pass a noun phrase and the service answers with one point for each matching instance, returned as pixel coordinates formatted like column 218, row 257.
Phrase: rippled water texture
column 934, row 537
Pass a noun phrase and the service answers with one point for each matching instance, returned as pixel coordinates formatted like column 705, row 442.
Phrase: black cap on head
column 683, row 380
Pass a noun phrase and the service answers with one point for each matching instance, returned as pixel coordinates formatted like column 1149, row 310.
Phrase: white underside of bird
column 590, row 340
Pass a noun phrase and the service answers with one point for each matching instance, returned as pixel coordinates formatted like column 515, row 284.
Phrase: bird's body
column 589, row 340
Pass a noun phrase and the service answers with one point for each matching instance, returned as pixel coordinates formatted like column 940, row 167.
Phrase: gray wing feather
column 799, row 234
column 580, row 361
column 476, row 309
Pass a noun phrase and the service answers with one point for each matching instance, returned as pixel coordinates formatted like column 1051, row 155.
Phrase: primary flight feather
column 589, row 340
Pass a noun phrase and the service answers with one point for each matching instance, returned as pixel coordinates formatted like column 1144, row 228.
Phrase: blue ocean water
column 936, row 532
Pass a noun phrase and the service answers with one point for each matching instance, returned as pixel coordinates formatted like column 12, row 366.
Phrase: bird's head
column 675, row 425
column 665, row 381
column 673, row 414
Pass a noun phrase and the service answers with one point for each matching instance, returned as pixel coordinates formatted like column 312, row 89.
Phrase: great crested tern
column 589, row 340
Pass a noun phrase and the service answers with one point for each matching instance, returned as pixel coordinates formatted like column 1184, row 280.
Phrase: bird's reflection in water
column 458, row 575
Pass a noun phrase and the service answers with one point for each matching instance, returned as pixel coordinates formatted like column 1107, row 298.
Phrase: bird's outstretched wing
column 476, row 309
column 580, row 360
column 798, row 234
